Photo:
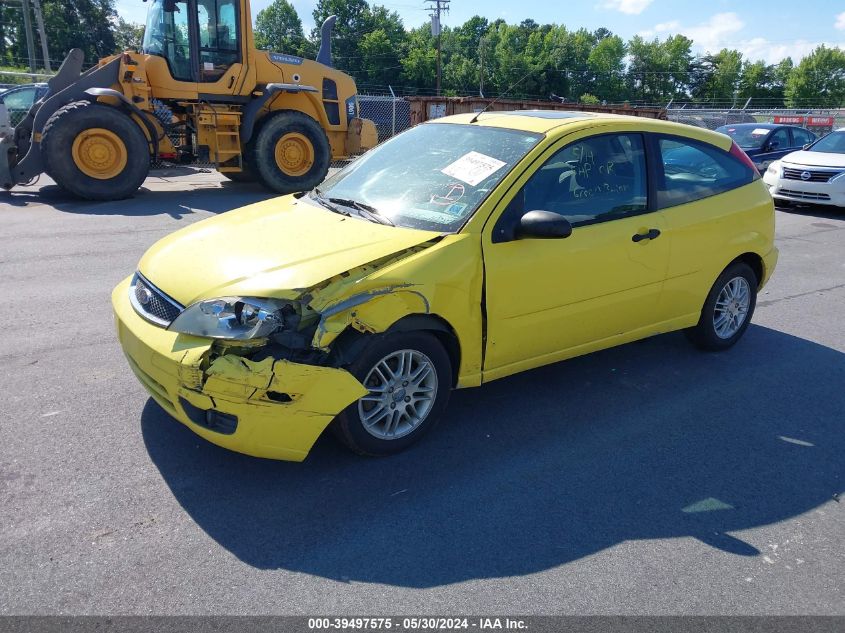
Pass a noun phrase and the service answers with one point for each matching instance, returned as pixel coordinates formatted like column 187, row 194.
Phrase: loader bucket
column 66, row 85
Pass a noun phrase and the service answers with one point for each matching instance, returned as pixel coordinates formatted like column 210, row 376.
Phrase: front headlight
column 239, row 318
column 774, row 169
column 838, row 178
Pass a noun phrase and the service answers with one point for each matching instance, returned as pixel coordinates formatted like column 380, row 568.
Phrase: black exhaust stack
column 325, row 54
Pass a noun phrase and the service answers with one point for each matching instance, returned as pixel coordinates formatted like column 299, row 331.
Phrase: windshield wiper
column 364, row 210
column 327, row 203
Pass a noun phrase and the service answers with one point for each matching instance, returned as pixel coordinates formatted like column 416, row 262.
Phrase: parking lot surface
column 647, row 479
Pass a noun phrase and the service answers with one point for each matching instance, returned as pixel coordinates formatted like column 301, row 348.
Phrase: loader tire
column 290, row 152
column 95, row 151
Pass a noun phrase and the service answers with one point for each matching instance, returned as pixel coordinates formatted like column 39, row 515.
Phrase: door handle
column 652, row 234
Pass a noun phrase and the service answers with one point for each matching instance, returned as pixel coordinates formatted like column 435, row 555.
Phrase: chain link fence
column 818, row 120
column 391, row 115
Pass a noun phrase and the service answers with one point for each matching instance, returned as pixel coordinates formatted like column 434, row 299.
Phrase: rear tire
column 290, row 152
column 95, row 151
column 414, row 403
column 727, row 310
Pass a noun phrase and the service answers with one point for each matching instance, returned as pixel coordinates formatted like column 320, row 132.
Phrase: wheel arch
column 350, row 342
column 755, row 262
column 135, row 114
column 441, row 329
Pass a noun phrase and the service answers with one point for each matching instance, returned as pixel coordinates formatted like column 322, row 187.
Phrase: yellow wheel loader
column 198, row 91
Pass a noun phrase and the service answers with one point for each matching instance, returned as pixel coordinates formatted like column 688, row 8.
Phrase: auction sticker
column 473, row 167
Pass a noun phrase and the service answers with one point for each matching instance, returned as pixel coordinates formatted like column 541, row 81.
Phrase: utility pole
column 30, row 43
column 436, row 7
column 42, row 34
column 481, row 67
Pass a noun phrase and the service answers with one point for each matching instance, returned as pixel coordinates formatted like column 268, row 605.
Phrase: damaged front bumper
column 271, row 408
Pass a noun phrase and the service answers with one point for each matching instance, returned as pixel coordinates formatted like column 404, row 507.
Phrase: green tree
column 646, row 81
column 819, row 79
column 717, row 77
column 128, row 36
column 85, row 24
column 677, row 59
column 758, row 82
column 419, row 64
column 380, row 61
column 279, row 28
column 355, row 21
column 607, row 65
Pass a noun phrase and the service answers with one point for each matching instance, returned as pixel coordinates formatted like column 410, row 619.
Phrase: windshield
column 833, row 143
column 166, row 35
column 747, row 137
column 434, row 176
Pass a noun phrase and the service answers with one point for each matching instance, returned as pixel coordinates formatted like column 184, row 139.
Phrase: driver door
column 220, row 55
column 548, row 299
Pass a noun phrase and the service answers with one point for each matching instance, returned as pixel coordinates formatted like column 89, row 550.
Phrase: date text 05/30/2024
column 416, row 623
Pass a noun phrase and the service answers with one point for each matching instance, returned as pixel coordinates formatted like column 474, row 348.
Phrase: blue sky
column 761, row 29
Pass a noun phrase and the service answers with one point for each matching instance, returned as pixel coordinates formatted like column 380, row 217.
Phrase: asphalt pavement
column 647, row 479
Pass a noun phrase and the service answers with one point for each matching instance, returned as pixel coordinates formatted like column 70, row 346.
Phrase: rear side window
column 780, row 139
column 694, row 170
column 801, row 137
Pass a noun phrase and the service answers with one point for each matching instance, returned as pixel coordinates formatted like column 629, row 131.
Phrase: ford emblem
column 805, row 175
column 143, row 295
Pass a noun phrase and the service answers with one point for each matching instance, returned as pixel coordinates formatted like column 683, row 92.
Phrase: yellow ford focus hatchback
column 461, row 251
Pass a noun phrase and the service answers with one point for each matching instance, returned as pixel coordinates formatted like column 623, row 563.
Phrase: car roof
column 17, row 87
column 556, row 123
column 764, row 126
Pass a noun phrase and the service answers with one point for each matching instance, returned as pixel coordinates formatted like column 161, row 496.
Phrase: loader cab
column 201, row 41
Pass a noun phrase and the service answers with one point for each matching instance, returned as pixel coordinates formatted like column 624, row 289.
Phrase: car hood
column 274, row 248
column 814, row 159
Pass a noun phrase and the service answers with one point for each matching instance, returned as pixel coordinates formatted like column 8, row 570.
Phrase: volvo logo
column 143, row 295
column 805, row 175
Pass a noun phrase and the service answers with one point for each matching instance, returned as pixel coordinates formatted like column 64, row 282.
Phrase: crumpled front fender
column 369, row 312
column 281, row 407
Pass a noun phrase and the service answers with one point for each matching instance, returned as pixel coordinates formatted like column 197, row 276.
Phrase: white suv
column 815, row 175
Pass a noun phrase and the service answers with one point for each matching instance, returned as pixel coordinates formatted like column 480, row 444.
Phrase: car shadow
column 210, row 197
column 826, row 211
column 648, row 440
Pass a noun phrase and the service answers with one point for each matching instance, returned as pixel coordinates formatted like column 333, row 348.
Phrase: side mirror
column 543, row 225
column 773, row 145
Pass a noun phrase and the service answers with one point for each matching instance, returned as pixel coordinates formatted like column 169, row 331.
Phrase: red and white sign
column 820, row 121
column 789, row 120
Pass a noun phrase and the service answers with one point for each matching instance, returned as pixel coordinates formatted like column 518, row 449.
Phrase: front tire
column 95, row 151
column 409, row 375
column 727, row 310
column 290, row 152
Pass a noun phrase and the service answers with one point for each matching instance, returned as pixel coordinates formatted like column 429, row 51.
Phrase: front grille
column 804, row 195
column 151, row 303
column 815, row 175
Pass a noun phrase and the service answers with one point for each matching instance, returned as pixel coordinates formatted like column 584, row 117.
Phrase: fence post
column 393, row 126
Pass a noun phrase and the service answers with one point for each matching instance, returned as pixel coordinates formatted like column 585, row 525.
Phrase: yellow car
column 461, row 251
